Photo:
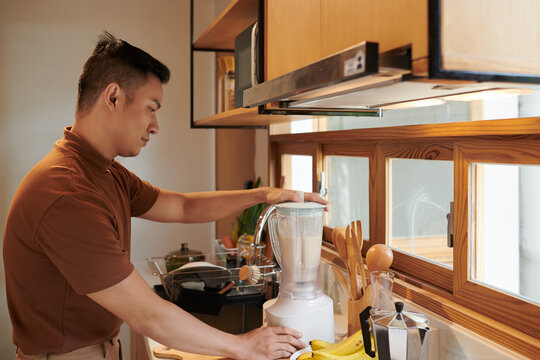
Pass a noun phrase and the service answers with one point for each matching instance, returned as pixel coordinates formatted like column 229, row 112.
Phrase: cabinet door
column 299, row 32
column 292, row 35
column 391, row 23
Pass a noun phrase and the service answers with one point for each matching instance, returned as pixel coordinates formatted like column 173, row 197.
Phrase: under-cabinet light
column 414, row 104
column 488, row 94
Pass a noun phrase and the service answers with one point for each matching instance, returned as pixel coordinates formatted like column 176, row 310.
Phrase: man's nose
column 154, row 127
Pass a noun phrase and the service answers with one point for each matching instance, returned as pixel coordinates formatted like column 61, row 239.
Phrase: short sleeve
column 78, row 235
column 142, row 194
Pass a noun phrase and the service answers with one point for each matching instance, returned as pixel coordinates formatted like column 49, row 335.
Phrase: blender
column 295, row 231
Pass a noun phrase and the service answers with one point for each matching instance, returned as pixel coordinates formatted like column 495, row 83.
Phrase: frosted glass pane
column 348, row 191
column 419, row 196
column 297, row 171
column 505, row 231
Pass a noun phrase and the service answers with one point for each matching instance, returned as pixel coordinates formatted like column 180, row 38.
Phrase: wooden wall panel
column 235, row 164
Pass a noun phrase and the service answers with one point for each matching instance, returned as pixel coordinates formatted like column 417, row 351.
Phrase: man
column 69, row 280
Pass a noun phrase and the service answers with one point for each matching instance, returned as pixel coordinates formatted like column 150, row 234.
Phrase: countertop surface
column 151, row 345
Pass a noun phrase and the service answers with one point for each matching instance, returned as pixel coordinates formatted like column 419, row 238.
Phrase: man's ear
column 110, row 95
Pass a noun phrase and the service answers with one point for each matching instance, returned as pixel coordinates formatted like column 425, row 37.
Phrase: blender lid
column 300, row 205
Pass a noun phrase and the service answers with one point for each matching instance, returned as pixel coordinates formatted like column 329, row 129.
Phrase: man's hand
column 276, row 196
column 270, row 343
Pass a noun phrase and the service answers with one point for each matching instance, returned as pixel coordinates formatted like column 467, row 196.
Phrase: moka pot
column 398, row 335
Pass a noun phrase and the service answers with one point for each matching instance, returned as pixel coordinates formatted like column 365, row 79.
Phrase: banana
column 305, row 356
column 324, row 355
column 320, row 344
column 348, row 346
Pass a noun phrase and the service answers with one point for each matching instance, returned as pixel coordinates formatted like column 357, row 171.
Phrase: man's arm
column 213, row 205
column 133, row 301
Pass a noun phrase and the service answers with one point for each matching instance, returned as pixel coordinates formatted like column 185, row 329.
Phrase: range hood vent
column 357, row 81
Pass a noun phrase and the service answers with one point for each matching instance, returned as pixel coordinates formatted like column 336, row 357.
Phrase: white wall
column 43, row 47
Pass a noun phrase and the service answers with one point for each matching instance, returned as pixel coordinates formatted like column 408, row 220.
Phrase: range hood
column 357, row 81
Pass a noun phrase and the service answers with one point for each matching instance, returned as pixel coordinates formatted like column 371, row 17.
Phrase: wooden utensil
column 226, row 288
column 340, row 243
column 358, row 242
column 352, row 267
column 163, row 351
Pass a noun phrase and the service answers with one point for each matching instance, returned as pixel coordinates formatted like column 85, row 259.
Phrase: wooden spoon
column 340, row 243
column 358, row 242
column 352, row 264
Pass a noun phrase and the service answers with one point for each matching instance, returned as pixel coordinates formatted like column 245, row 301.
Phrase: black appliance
column 248, row 64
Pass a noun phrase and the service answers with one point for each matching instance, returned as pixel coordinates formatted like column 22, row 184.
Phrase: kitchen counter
column 151, row 344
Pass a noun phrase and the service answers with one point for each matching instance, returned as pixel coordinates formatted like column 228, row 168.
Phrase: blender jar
column 296, row 236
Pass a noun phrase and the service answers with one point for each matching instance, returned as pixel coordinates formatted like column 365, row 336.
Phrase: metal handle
column 450, row 226
column 261, row 222
column 254, row 32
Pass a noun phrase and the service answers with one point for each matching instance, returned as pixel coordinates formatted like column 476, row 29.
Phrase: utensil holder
column 355, row 307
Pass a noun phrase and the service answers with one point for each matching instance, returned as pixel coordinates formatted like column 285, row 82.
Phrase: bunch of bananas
column 352, row 348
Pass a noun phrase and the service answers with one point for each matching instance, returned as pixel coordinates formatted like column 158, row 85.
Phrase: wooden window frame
column 502, row 307
column 503, row 318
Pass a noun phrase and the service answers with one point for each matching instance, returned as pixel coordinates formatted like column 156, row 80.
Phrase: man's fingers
column 290, row 337
column 284, row 330
column 315, row 197
column 284, row 350
column 293, row 341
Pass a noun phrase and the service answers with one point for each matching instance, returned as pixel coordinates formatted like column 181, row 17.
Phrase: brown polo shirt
column 67, row 234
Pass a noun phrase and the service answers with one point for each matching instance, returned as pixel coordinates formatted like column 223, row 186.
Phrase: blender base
column 314, row 318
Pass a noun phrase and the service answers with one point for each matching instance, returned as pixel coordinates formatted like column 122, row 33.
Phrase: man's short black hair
column 115, row 60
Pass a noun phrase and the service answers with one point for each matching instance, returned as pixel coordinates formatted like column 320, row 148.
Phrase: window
column 348, row 191
column 505, row 229
column 297, row 172
column 419, row 197
column 408, row 176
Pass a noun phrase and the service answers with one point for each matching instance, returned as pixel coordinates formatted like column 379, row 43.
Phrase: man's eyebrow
column 157, row 103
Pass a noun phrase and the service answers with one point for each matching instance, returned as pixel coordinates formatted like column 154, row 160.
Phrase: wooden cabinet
column 292, row 35
column 300, row 32
column 219, row 36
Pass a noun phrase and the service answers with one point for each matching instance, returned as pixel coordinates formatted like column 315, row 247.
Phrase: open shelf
column 231, row 22
column 244, row 117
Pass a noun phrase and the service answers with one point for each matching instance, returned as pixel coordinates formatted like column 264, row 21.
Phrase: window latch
column 322, row 185
column 450, row 226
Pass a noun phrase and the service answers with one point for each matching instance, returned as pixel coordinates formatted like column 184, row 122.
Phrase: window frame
column 501, row 317
column 499, row 305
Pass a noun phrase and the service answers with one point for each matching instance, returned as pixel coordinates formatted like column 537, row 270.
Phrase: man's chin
column 131, row 153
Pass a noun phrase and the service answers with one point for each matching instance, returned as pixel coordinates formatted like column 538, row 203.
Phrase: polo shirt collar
column 82, row 148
